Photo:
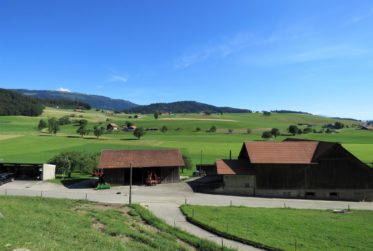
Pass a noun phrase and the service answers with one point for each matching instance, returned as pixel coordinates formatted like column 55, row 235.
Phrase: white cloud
column 61, row 89
column 220, row 50
column 302, row 54
column 359, row 18
column 117, row 78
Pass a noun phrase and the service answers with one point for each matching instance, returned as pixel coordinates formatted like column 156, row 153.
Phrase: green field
column 22, row 142
column 288, row 229
column 56, row 224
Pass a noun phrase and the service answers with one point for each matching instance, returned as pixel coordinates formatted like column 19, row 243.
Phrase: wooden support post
column 130, row 195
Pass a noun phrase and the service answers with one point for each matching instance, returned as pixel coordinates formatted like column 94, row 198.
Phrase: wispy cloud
column 117, row 78
column 362, row 17
column 219, row 50
column 61, row 89
column 298, row 54
column 240, row 42
column 329, row 52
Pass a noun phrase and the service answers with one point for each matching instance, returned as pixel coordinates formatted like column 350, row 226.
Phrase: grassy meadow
column 59, row 224
column 288, row 229
column 20, row 141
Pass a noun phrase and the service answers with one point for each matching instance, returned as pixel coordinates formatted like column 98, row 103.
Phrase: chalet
column 130, row 128
column 112, row 127
column 294, row 169
column 367, row 127
column 116, row 165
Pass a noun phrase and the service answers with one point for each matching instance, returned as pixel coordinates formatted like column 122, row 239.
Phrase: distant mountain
column 13, row 103
column 184, row 107
column 94, row 101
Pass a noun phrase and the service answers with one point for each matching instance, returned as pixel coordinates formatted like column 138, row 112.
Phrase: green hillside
column 59, row 224
column 22, row 142
column 95, row 101
column 185, row 107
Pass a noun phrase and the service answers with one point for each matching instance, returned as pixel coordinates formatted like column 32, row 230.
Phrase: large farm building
column 295, row 169
column 164, row 164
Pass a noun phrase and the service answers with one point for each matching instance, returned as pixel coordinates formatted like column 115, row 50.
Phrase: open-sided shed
column 164, row 163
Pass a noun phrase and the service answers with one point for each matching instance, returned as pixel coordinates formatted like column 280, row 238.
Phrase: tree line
column 16, row 104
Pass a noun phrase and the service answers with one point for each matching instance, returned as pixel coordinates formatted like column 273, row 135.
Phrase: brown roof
column 113, row 125
column 140, row 158
column 233, row 167
column 288, row 152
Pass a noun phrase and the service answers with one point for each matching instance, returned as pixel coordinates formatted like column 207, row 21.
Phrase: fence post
column 86, row 196
column 41, row 194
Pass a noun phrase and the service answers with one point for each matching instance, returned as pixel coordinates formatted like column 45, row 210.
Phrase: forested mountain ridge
column 13, row 103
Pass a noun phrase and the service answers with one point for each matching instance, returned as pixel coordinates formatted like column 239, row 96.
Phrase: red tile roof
column 233, row 167
column 288, row 152
column 140, row 158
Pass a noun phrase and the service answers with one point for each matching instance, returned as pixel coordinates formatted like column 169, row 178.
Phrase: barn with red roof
column 294, row 168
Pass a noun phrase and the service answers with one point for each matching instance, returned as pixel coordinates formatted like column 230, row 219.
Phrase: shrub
column 42, row 124
column 139, row 132
column 68, row 162
column 267, row 135
column 275, row 132
column 212, row 129
column 293, row 129
column 164, row 129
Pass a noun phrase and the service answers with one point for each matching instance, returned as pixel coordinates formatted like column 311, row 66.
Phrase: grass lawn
column 56, row 224
column 288, row 229
column 20, row 141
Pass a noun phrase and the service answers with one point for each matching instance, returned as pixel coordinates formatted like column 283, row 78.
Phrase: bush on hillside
column 68, row 162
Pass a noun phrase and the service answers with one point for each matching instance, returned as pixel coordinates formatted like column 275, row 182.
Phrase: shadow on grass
column 79, row 137
column 130, row 139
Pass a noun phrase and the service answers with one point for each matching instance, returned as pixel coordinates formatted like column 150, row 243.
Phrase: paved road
column 164, row 201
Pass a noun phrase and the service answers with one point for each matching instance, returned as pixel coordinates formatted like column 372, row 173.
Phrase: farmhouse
column 164, row 164
column 297, row 169
column 112, row 127
column 367, row 127
column 130, row 128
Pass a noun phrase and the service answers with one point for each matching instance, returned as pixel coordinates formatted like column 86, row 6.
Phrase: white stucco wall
column 49, row 172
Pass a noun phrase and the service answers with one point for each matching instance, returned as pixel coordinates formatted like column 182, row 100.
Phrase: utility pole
column 201, row 161
column 130, row 195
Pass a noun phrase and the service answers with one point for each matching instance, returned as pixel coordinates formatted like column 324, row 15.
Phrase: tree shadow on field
column 73, row 136
column 79, row 183
column 129, row 139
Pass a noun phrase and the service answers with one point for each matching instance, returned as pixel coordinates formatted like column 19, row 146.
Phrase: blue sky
column 314, row 56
